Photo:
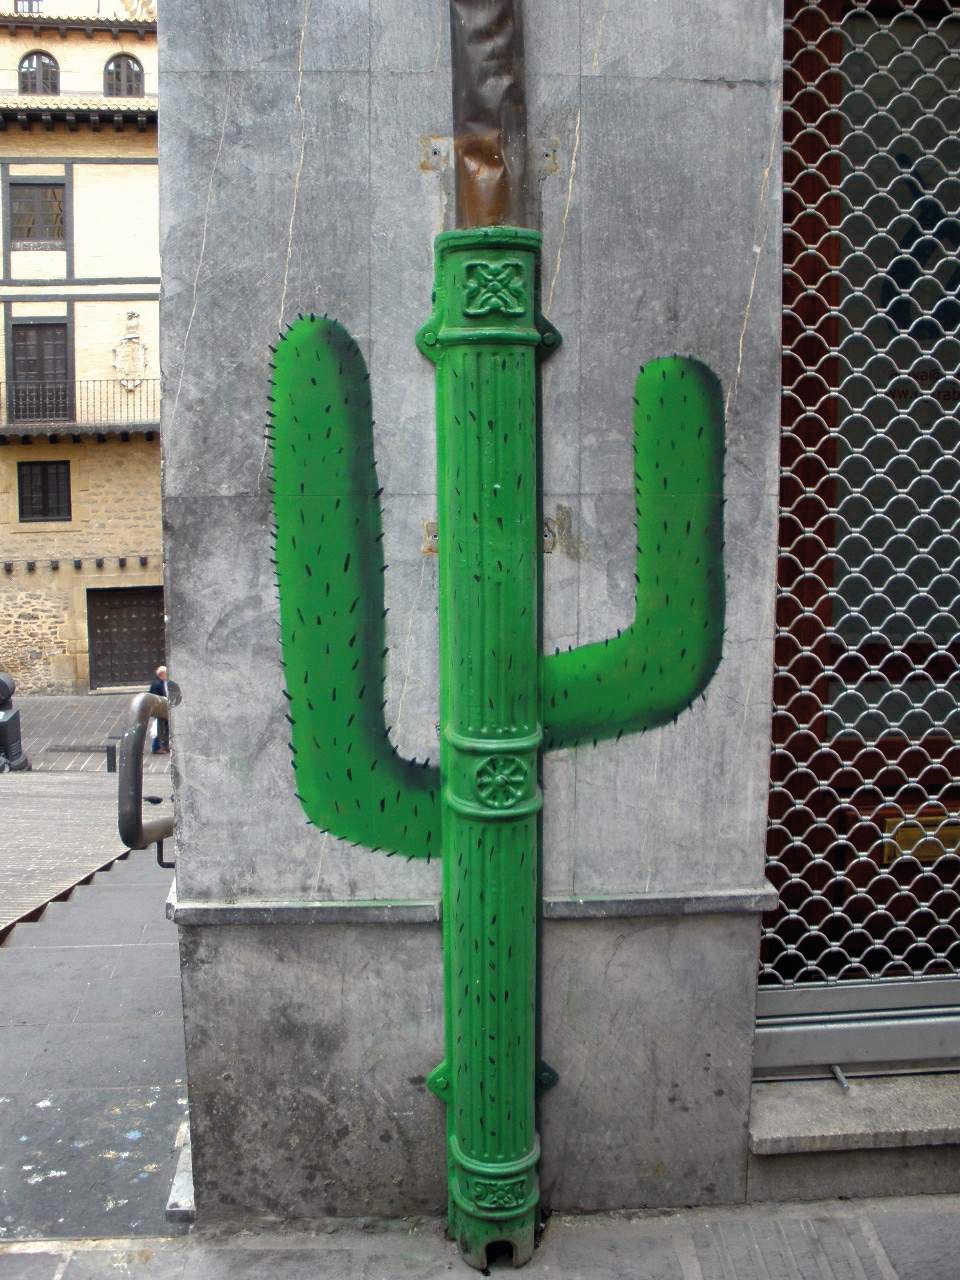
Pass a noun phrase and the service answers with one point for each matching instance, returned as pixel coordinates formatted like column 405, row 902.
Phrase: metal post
column 484, row 337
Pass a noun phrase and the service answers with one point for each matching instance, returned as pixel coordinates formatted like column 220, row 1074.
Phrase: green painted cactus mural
column 502, row 701
column 330, row 567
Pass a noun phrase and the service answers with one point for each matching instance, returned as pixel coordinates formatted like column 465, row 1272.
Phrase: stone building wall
column 115, row 496
column 115, row 493
column 33, row 638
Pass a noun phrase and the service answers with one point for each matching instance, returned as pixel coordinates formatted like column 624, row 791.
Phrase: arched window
column 39, row 73
column 123, row 77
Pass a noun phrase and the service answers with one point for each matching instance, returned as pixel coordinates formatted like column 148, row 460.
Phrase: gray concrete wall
column 304, row 166
column 308, row 1051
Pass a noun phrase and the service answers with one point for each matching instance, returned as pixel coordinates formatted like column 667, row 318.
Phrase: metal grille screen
column 864, row 828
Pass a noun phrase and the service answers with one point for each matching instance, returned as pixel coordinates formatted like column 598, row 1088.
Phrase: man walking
column 161, row 727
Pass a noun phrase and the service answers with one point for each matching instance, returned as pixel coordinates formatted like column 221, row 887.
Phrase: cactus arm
column 329, row 562
column 653, row 670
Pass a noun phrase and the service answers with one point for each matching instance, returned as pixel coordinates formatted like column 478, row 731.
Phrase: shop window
column 44, row 490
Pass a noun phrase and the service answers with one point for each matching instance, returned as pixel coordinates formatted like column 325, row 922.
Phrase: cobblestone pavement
column 57, row 830
column 871, row 1240
column 67, row 733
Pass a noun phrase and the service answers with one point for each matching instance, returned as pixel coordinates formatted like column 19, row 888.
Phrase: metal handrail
column 134, row 831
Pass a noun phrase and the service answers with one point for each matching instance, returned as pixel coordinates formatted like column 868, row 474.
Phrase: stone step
column 790, row 1117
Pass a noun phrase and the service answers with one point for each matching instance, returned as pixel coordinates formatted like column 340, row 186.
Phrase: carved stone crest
column 141, row 10
column 130, row 356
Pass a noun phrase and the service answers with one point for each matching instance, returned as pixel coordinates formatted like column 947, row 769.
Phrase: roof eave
column 37, row 23
column 73, row 116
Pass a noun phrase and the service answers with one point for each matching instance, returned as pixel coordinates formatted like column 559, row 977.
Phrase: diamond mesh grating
column 864, row 820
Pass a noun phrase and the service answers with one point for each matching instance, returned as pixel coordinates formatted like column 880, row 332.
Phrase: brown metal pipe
column 489, row 113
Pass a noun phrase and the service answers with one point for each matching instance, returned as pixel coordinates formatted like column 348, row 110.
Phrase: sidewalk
column 67, row 733
column 92, row 1079
column 872, row 1240
column 92, row 1114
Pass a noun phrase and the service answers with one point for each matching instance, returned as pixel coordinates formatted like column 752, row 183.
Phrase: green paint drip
column 502, row 702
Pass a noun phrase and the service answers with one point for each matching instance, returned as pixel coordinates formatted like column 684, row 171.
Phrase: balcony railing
column 91, row 403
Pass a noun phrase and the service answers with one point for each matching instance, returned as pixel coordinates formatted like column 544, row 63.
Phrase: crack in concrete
column 598, row 43
column 759, row 236
column 439, row 48
column 566, row 213
column 196, row 274
column 298, row 105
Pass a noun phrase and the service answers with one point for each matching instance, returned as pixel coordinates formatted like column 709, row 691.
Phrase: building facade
column 81, row 597
column 751, row 916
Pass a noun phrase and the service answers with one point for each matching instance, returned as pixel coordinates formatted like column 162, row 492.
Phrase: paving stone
column 88, row 1162
column 19, row 1047
column 164, row 933
column 139, row 868
column 146, row 959
column 153, row 997
column 29, row 1266
column 394, row 1266
column 145, row 1264
column 618, row 1256
column 763, row 1242
column 743, row 1248
column 921, row 1246
column 117, row 1055
column 67, row 733
column 75, row 929
column 121, row 909
column 278, row 1264
column 49, row 986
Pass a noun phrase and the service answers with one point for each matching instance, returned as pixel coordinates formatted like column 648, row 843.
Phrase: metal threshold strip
column 856, row 1025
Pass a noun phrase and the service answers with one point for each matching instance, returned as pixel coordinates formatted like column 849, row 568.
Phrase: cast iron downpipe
column 502, row 702
column 486, row 338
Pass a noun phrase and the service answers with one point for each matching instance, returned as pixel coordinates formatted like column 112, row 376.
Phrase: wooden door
column 126, row 635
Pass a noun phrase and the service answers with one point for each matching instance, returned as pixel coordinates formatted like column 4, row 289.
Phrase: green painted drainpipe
column 502, row 702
